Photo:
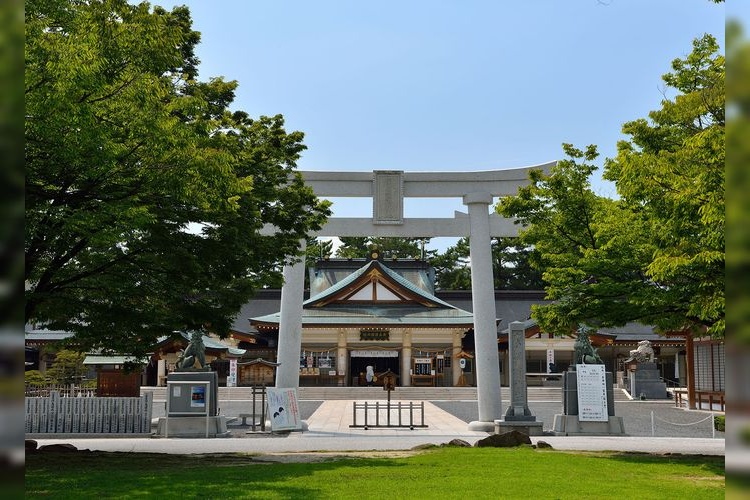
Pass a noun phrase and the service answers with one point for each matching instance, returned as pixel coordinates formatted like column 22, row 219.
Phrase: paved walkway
column 329, row 430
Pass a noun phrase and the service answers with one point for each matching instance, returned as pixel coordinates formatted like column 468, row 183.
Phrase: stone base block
column 192, row 427
column 481, row 426
column 528, row 428
column 569, row 425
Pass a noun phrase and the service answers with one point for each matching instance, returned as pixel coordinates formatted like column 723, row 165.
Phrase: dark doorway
column 358, row 367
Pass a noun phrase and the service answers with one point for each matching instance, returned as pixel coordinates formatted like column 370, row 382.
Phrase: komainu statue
column 585, row 354
column 194, row 352
column 643, row 354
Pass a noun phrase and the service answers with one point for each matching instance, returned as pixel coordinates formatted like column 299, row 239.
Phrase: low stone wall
column 88, row 415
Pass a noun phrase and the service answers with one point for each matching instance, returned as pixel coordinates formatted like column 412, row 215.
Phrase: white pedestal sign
column 592, row 393
column 283, row 409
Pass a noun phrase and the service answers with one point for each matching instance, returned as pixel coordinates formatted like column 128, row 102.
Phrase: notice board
column 283, row 409
column 591, row 383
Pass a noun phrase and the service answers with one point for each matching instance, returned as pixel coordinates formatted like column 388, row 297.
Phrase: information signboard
column 592, row 393
column 283, row 409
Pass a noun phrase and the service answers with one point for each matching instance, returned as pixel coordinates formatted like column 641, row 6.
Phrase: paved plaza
column 675, row 430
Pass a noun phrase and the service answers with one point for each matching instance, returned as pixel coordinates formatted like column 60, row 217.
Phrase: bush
column 719, row 422
column 35, row 377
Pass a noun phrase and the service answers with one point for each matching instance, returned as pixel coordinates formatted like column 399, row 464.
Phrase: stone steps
column 400, row 393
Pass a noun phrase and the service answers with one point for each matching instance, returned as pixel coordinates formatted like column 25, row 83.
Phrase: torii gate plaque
column 388, row 188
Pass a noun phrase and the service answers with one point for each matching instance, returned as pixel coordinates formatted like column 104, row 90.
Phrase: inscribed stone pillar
column 290, row 325
column 486, row 359
column 406, row 360
column 519, row 408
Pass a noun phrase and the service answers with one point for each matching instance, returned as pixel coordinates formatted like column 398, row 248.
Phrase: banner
column 550, row 360
column 232, row 376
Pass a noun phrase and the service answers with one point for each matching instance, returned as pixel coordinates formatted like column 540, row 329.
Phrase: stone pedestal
column 179, row 396
column 192, row 427
column 645, row 382
column 530, row 428
column 569, row 424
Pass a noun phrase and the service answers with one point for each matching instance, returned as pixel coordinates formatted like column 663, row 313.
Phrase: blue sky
column 448, row 85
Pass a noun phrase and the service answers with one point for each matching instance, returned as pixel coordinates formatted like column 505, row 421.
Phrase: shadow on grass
column 85, row 474
column 710, row 463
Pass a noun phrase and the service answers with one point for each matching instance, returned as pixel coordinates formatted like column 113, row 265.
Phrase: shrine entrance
column 388, row 188
column 380, row 360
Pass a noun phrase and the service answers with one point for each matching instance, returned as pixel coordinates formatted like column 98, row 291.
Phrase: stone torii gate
column 388, row 188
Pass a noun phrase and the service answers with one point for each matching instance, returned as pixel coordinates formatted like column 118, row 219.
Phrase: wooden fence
column 56, row 414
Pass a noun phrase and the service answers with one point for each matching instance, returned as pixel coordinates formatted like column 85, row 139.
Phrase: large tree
column 145, row 194
column 670, row 173
column 655, row 255
column 512, row 266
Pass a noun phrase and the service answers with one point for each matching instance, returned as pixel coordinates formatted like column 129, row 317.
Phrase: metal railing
column 388, row 415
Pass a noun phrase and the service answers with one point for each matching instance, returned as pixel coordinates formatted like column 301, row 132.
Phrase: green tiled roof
column 374, row 264
column 440, row 313
column 209, row 342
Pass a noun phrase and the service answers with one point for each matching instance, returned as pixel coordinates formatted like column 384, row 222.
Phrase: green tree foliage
column 670, row 174
column 68, row 368
column 401, row 248
column 318, row 249
column 511, row 262
column 738, row 157
column 656, row 255
column 145, row 194
column 452, row 268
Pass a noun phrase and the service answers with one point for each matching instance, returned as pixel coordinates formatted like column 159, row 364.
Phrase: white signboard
column 592, row 393
column 283, row 409
column 374, row 354
column 232, row 375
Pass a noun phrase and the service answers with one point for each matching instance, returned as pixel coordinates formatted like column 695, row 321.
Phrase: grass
column 438, row 473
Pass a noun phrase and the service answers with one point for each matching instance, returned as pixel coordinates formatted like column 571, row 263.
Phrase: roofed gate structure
column 388, row 188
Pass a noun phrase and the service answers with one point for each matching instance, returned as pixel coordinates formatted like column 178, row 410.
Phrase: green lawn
column 437, row 473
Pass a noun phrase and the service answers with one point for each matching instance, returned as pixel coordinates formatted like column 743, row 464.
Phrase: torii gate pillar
column 486, row 358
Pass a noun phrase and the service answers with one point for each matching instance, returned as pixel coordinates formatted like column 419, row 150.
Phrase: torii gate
column 388, row 188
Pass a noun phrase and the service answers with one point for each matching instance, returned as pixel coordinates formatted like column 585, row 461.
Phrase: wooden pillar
column 406, row 347
column 690, row 358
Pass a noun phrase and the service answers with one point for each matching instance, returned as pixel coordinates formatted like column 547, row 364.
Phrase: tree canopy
column 511, row 264
column 145, row 193
column 391, row 247
column 656, row 254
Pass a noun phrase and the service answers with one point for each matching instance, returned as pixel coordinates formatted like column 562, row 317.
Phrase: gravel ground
column 668, row 420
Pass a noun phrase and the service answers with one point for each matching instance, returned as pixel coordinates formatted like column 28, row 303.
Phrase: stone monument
column 192, row 396
column 644, row 381
column 518, row 416
column 588, row 396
